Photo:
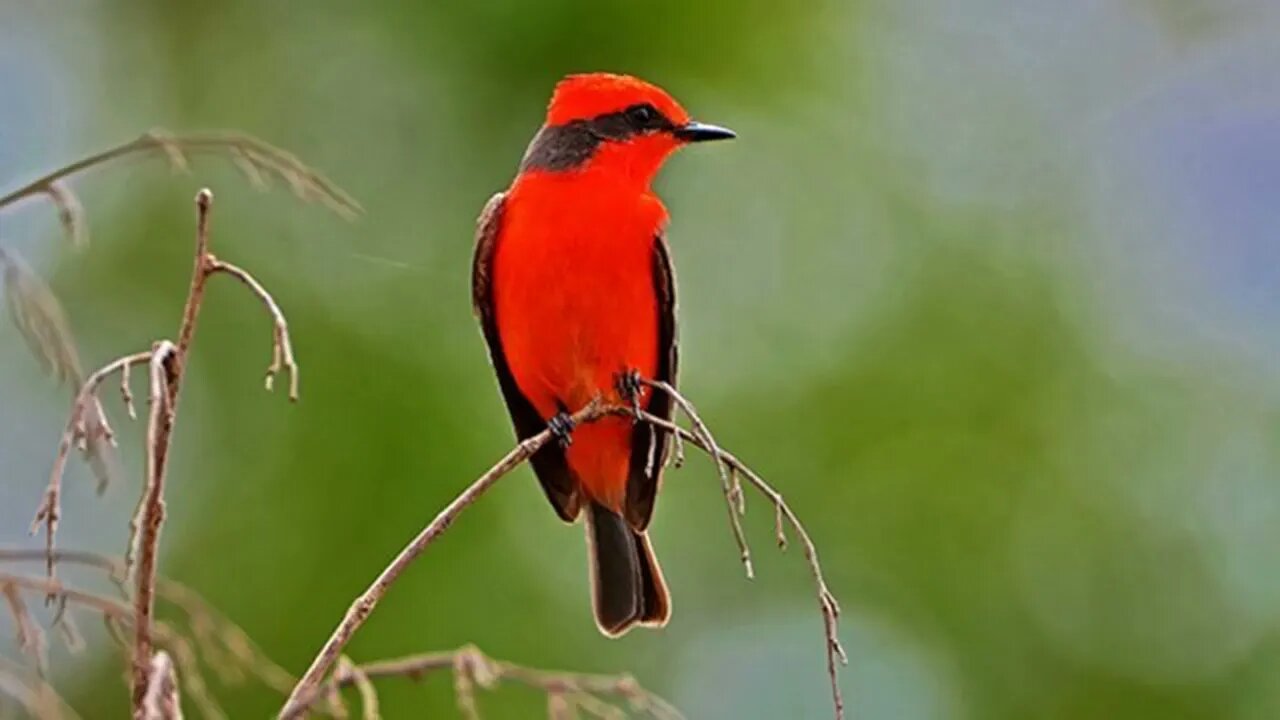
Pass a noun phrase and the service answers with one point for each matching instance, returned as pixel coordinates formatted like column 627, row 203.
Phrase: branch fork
column 166, row 362
column 731, row 472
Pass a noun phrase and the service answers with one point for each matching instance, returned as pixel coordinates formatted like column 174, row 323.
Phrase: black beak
column 701, row 132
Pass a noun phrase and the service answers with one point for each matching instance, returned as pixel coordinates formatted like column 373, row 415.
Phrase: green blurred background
column 989, row 290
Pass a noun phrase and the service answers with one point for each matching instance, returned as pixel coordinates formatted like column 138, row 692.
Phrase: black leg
column 629, row 385
column 561, row 426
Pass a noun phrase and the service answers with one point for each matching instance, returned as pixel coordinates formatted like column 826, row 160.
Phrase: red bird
column 574, row 289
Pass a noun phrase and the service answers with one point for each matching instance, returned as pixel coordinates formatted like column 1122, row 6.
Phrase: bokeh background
column 990, row 290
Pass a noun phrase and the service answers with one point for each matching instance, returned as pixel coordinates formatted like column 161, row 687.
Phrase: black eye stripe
column 634, row 120
column 563, row 147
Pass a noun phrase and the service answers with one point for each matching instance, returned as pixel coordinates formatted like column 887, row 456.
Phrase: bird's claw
column 629, row 386
column 561, row 426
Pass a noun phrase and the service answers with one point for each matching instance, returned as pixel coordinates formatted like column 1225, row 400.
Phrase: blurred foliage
column 934, row 292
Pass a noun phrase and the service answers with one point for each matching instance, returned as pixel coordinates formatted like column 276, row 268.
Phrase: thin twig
column 209, row 628
column 470, row 668
column 67, row 628
column 304, row 693
column 479, row 669
column 827, row 604
column 50, row 509
column 188, row 670
column 355, row 675
column 168, row 363
column 151, row 513
column 281, row 346
column 309, row 687
column 118, row 616
column 126, row 395
column 50, row 586
column 247, row 152
column 733, row 496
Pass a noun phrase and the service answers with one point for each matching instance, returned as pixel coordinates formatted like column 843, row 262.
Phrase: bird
column 574, row 290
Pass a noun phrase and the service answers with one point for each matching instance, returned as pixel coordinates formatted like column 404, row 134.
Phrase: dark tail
column 626, row 583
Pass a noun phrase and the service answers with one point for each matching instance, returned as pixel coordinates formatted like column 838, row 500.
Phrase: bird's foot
column 561, row 426
column 629, row 386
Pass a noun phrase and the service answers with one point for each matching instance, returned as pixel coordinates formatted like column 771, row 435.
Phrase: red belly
column 576, row 306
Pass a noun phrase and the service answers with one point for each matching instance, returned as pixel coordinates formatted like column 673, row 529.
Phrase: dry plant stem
column 188, row 653
column 164, row 385
column 732, row 489
column 118, row 616
column 368, row 695
column 307, row 688
column 168, row 363
column 281, row 346
column 253, row 156
column 488, row 671
column 106, row 606
column 827, row 604
column 50, row 509
column 207, row 624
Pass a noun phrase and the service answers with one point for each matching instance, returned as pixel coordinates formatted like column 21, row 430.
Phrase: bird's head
column 613, row 123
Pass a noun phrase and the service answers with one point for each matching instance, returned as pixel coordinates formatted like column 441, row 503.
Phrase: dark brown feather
column 549, row 463
column 649, row 446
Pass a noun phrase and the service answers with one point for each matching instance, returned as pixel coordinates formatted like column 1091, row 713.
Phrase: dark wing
column 549, row 463
column 648, row 444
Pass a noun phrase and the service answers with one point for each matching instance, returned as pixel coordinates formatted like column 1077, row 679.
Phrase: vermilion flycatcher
column 574, row 289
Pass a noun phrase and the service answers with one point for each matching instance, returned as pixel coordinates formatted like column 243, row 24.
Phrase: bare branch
column 255, row 157
column 281, row 347
column 50, row 509
column 117, row 615
column 67, row 629
column 472, row 669
column 49, row 586
column 150, row 517
column 304, row 693
column 216, row 637
column 126, row 395
column 188, row 665
column 827, row 604
column 309, row 687
column 168, row 362
column 355, row 675
column 199, row 276
column 728, row 479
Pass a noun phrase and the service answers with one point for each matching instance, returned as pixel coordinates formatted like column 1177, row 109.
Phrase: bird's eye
column 642, row 116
